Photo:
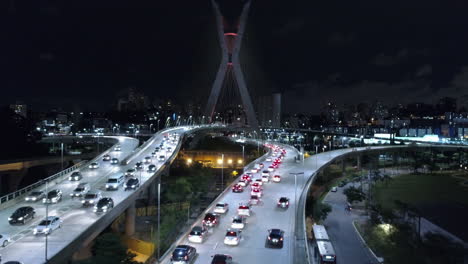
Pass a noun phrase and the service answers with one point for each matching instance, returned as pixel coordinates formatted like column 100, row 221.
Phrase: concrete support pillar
column 130, row 215
column 359, row 162
column 152, row 193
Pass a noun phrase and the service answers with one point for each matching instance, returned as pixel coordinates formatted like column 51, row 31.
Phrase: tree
column 353, row 194
column 321, row 211
column 180, row 189
column 109, row 249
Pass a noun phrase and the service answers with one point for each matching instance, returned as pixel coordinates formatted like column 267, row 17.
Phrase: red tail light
column 186, row 257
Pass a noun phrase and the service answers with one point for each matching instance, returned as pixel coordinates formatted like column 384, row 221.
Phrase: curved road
column 30, row 249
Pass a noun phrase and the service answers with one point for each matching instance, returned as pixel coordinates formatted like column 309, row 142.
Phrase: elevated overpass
column 81, row 225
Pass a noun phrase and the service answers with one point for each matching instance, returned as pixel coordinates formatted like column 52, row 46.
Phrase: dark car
column 21, row 215
column 104, row 205
column 275, row 238
column 221, row 259
column 183, row 254
column 53, row 196
column 132, row 184
column 210, row 220
column 283, row 202
column 237, row 188
column 139, row 166
column 75, row 176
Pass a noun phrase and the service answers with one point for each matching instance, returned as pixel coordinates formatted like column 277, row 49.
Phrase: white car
column 271, row 168
column 256, row 191
column 117, row 148
column 268, row 159
column 114, row 161
column 48, row 225
column 161, row 158
column 147, row 160
column 238, row 222
column 276, row 178
column 94, row 165
column 233, row 237
column 221, row 208
column 4, row 240
column 91, row 198
column 254, row 170
column 265, row 178
column 265, row 173
column 259, row 181
column 243, row 210
column 198, row 234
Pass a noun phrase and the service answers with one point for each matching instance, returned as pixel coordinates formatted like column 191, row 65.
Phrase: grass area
column 421, row 189
column 394, row 245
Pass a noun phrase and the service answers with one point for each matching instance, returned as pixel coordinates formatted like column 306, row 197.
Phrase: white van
column 114, row 181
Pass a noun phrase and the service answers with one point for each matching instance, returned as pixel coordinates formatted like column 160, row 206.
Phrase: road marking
column 216, row 245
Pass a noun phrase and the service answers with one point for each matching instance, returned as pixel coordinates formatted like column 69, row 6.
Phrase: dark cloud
column 383, row 59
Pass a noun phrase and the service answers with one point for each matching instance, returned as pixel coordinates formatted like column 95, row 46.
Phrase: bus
column 324, row 253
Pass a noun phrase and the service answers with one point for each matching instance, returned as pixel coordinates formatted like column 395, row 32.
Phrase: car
column 118, row 148
column 334, row 189
column 132, row 184
column 154, row 154
column 35, row 196
column 237, row 188
column 139, row 166
column 244, row 210
column 265, row 178
column 233, row 237
column 130, row 173
column 210, row 220
column 238, row 222
column 261, row 165
column 151, row 168
column 4, row 240
column 197, row 234
column 254, row 170
column 156, row 149
column 276, row 178
column 114, row 181
column 53, row 196
column 283, row 202
column 246, row 177
column 106, row 157
column 48, row 225
column 104, row 205
column 268, row 159
column 169, row 149
column 221, row 208
column 21, row 215
column 221, row 259
column 271, row 168
column 80, row 190
column 91, row 198
column 147, row 160
column 114, row 161
column 254, row 200
column 256, row 191
column 161, row 158
column 275, row 238
column 256, row 185
column 94, row 165
column 243, row 183
column 259, row 181
column 183, row 254
column 75, row 176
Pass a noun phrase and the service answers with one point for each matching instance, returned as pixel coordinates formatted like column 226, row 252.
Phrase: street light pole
column 222, row 170
column 47, row 216
column 243, row 159
column 295, row 190
column 61, row 148
column 159, row 219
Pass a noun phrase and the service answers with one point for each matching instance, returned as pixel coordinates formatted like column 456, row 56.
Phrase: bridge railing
column 12, row 198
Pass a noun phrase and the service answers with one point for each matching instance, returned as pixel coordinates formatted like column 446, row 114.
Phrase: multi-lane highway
column 251, row 248
column 29, row 248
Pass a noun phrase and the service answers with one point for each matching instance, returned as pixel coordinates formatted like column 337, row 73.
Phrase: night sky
column 84, row 53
